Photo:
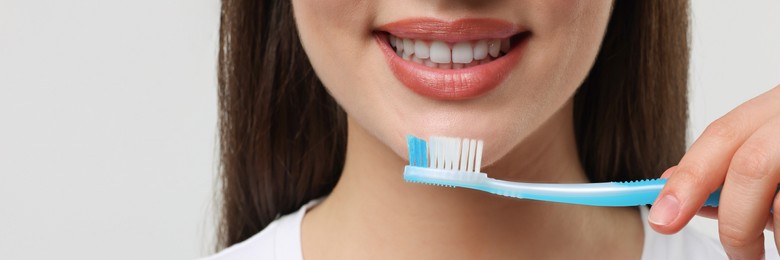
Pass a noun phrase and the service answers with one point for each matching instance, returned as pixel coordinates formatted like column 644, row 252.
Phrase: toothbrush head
column 446, row 153
column 445, row 161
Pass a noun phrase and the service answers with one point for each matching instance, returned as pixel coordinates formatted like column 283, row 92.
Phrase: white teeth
column 493, row 47
column 462, row 53
column 442, row 55
column 417, row 60
column 421, row 49
column 480, row 50
column 440, row 52
column 399, row 46
column 408, row 46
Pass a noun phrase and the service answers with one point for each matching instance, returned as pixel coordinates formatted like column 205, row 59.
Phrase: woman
column 316, row 98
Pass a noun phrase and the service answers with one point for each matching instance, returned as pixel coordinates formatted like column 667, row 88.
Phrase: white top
column 282, row 240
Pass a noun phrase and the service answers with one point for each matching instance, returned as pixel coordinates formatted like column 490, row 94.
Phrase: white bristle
column 472, row 148
column 445, row 145
column 435, row 153
column 434, row 149
column 425, row 155
column 440, row 154
column 455, row 154
column 447, row 154
column 478, row 161
column 464, row 154
column 431, row 153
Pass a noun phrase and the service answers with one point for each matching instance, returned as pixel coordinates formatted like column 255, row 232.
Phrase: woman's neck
column 373, row 213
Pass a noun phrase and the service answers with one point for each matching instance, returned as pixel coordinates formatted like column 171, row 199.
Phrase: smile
column 451, row 60
column 442, row 55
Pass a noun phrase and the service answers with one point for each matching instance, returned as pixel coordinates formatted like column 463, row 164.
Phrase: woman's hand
column 740, row 151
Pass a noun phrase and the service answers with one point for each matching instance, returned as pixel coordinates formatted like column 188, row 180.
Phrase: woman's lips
column 463, row 74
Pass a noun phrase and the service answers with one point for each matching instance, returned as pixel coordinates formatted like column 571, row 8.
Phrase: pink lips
column 455, row 84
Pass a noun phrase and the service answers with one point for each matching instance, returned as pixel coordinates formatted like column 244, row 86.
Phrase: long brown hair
column 283, row 137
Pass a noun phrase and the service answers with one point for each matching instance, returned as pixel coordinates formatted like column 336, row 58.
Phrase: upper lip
column 451, row 31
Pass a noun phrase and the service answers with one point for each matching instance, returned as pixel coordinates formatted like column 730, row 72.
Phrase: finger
column 712, row 213
column 703, row 168
column 776, row 218
column 748, row 193
column 708, row 212
column 669, row 172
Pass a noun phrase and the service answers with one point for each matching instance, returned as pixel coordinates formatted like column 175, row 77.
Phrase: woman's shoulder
column 279, row 240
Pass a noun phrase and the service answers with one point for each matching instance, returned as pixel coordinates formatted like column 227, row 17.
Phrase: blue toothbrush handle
column 608, row 194
column 615, row 194
column 712, row 200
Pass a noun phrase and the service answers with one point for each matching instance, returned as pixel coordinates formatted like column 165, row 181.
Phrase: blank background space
column 108, row 118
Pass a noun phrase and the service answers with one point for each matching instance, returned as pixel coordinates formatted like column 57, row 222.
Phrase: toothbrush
column 455, row 162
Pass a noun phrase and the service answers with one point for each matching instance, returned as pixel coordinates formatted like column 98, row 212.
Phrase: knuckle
column 735, row 237
column 751, row 161
column 722, row 130
column 692, row 172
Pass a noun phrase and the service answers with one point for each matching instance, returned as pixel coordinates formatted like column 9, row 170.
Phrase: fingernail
column 665, row 211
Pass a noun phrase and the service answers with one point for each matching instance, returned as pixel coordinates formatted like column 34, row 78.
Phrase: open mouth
column 451, row 60
column 451, row 55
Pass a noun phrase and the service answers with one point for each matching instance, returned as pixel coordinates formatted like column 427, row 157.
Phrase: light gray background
column 108, row 118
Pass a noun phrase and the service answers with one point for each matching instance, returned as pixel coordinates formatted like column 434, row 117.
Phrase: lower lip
column 454, row 84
